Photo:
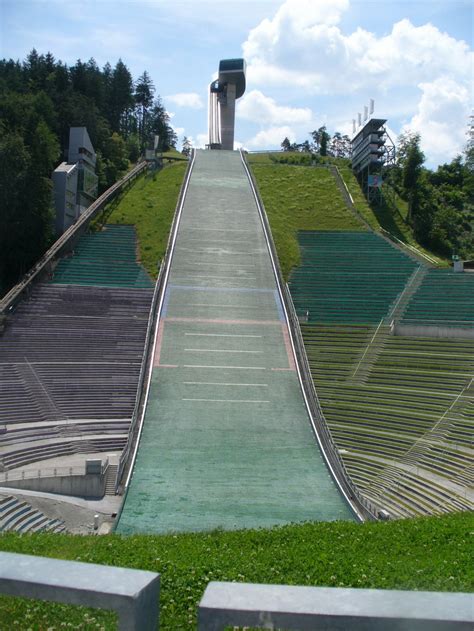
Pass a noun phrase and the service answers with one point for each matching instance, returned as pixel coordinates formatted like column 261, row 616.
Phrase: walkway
column 226, row 439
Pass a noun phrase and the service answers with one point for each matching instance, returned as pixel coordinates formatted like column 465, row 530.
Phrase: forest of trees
column 40, row 99
column 440, row 203
column 322, row 143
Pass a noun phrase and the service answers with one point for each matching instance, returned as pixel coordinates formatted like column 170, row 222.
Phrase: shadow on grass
column 385, row 212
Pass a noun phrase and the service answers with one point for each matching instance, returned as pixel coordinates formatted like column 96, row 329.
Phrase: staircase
column 346, row 195
column 414, row 282
column 369, row 356
column 68, row 431
column 110, row 479
column 84, row 447
column 39, row 392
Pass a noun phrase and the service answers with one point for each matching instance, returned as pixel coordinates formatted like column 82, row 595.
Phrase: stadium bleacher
column 348, row 277
column 105, row 258
column 444, row 297
column 404, row 419
column 71, row 355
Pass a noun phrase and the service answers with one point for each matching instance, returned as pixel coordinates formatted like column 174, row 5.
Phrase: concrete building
column 75, row 182
column 229, row 86
column 64, row 194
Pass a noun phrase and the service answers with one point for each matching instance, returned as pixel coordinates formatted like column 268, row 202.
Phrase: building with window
column 75, row 182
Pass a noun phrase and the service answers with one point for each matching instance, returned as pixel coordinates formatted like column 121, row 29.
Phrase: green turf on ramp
column 226, row 441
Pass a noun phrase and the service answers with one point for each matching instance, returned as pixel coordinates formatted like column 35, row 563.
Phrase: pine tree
column 411, row 159
column 121, row 99
column 187, row 146
column 286, row 144
column 144, row 91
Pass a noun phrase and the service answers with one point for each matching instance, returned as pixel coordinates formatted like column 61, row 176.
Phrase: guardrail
column 443, row 322
column 144, row 368
column 66, row 240
column 126, row 460
column 133, row 594
column 411, row 248
column 49, row 472
column 361, row 506
column 303, row 608
column 320, row 425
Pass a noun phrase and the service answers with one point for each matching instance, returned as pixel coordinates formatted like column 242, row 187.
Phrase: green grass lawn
column 420, row 554
column 299, row 198
column 391, row 217
column 299, row 158
column 174, row 154
column 149, row 205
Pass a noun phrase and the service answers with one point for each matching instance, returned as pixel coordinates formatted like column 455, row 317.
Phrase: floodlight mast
column 229, row 86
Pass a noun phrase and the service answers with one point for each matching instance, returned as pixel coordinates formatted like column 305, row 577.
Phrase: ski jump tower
column 229, row 85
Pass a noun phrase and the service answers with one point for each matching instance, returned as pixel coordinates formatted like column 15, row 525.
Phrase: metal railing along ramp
column 226, row 440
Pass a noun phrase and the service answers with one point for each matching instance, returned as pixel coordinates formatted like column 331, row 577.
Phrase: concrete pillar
column 227, row 112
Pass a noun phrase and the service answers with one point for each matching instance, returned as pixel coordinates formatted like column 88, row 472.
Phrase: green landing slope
column 226, row 441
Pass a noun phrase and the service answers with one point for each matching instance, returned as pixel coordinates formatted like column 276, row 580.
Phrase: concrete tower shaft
column 229, row 86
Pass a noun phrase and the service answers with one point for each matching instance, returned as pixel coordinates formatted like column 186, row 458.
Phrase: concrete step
column 110, row 479
column 20, row 516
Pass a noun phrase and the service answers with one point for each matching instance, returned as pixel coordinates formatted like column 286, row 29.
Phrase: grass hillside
column 391, row 215
column 420, row 554
column 149, row 205
column 298, row 198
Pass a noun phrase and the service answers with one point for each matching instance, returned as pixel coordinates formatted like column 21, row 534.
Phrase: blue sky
column 310, row 62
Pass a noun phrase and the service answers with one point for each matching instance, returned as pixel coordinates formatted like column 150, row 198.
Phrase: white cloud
column 441, row 118
column 186, row 99
column 299, row 49
column 293, row 16
column 271, row 137
column 303, row 46
column 200, row 141
column 258, row 108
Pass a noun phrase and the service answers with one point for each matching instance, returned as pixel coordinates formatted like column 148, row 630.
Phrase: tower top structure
column 229, row 86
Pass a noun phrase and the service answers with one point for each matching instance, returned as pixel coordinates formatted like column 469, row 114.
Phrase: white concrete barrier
column 330, row 608
column 133, row 594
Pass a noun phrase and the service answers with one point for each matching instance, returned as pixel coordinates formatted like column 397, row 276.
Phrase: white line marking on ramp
column 221, row 334
column 227, row 367
column 218, row 350
column 196, row 264
column 220, row 383
column 207, row 304
column 233, row 277
column 222, row 230
column 227, row 400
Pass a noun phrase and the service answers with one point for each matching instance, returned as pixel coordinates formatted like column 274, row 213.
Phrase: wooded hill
column 40, row 99
column 436, row 205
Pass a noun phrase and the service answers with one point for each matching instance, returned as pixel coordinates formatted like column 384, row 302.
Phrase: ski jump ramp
column 226, row 440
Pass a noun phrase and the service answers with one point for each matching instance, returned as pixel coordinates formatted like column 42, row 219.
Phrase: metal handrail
column 141, row 379
column 416, row 251
column 66, row 239
column 441, row 322
column 322, row 426
column 50, row 472
column 126, row 462
column 361, row 506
